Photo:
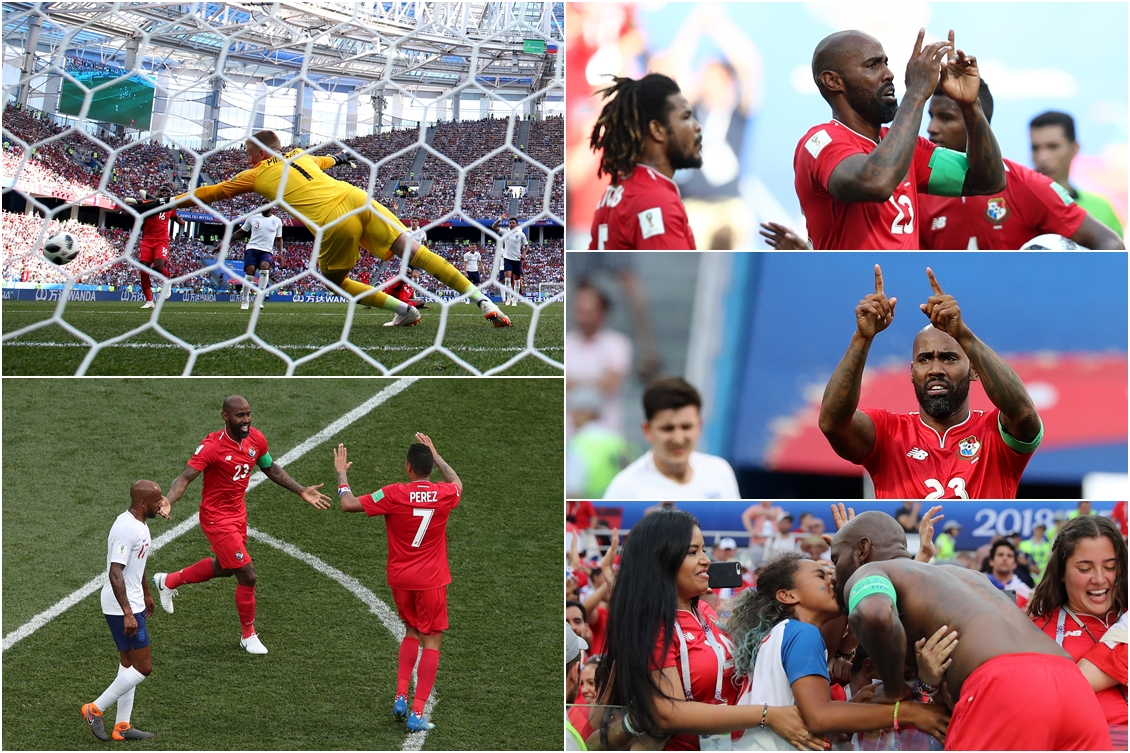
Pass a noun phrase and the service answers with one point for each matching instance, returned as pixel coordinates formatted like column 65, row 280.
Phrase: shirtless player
column 1010, row 686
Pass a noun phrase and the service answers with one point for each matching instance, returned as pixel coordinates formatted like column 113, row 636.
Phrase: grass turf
column 299, row 330
column 71, row 449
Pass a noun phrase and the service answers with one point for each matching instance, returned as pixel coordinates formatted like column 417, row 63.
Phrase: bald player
column 1009, row 685
column 945, row 450
column 318, row 201
column 858, row 182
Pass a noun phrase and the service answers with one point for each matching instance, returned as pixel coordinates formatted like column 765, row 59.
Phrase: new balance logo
column 918, row 454
column 938, row 223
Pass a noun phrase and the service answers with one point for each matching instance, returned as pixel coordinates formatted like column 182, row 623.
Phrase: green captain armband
column 1024, row 448
column 264, row 461
column 872, row 584
column 947, row 172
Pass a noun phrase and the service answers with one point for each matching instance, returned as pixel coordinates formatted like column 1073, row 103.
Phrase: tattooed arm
column 449, row 474
column 851, row 432
column 961, row 82
column 1003, row 386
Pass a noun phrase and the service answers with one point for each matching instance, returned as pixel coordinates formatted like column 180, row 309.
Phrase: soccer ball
column 60, row 249
column 1050, row 242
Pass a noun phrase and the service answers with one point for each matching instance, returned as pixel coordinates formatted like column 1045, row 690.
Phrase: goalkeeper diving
column 317, row 200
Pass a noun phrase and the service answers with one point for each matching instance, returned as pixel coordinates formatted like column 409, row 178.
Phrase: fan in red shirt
column 227, row 459
column 946, row 450
column 858, row 182
column 154, row 248
column 1030, row 205
column 416, row 522
column 645, row 133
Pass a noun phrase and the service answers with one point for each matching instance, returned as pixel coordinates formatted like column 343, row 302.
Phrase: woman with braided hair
column 646, row 131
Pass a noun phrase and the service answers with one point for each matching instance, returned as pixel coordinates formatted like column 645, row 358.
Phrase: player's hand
column 341, row 461
column 165, row 507
column 129, row 625
column 839, row 670
column 315, row 497
column 933, row 655
column 926, row 550
column 840, row 516
column 341, row 158
column 424, row 439
column 931, row 718
column 942, row 310
column 960, row 79
column 781, row 238
column 925, row 67
column 875, row 312
column 149, row 606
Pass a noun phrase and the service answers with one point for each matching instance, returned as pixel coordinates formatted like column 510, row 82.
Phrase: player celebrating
column 265, row 230
column 155, row 238
column 914, row 455
column 858, row 182
column 645, row 133
column 514, row 245
column 319, row 200
column 416, row 521
column 126, row 604
column 226, row 458
column 1030, row 205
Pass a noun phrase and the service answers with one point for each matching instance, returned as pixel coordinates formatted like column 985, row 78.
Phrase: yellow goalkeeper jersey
column 308, row 191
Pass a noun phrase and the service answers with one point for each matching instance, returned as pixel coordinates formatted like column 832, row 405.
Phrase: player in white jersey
column 265, row 230
column 417, row 233
column 126, row 603
column 471, row 261
column 513, row 245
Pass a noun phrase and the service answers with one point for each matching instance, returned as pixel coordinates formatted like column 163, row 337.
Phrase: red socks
column 197, row 573
column 245, row 605
column 407, row 662
column 145, row 286
column 425, row 679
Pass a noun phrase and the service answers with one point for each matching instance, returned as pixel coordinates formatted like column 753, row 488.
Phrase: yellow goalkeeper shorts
column 374, row 228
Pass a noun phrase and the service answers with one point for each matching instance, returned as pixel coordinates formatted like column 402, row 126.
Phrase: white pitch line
column 41, row 619
column 244, row 346
column 388, row 618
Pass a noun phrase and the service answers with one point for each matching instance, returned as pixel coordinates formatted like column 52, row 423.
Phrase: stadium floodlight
column 135, row 93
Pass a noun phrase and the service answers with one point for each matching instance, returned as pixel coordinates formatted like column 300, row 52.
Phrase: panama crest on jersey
column 996, row 210
column 968, row 448
column 251, row 453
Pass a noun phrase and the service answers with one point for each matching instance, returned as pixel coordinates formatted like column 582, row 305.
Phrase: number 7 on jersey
column 426, row 513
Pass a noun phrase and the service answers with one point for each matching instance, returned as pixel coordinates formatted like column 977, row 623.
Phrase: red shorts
column 1027, row 702
column 424, row 610
column 229, row 542
column 153, row 250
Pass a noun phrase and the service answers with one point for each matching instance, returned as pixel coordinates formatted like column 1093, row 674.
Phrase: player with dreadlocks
column 645, row 132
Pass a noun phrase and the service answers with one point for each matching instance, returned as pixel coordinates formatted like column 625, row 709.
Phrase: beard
column 684, row 158
column 871, row 105
column 946, row 404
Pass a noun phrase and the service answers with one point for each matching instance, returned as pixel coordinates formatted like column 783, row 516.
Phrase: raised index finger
column 934, row 282
column 918, row 42
column 952, row 48
column 878, row 279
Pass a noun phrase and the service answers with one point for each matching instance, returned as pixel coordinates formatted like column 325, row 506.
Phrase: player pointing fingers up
column 942, row 310
column 875, row 312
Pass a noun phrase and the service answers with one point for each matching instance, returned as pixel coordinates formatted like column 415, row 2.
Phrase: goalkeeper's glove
column 341, row 158
column 142, row 194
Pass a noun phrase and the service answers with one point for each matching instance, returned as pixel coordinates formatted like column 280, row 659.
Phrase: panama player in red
column 416, row 523
column 859, row 183
column 227, row 458
column 154, row 247
column 946, row 450
column 1030, row 205
column 646, row 131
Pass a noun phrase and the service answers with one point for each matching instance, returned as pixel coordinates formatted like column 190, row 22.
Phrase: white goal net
column 451, row 112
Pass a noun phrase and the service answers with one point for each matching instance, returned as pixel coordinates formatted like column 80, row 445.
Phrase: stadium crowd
column 1073, row 573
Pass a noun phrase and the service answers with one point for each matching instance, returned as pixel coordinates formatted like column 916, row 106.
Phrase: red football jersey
column 644, row 212
column 227, row 466
column 835, row 224
column 1031, row 205
column 970, row 461
column 156, row 226
column 416, row 521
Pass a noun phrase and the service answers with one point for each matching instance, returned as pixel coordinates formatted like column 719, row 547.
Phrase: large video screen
column 127, row 101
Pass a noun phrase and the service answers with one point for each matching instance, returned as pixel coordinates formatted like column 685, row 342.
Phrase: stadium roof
column 425, row 45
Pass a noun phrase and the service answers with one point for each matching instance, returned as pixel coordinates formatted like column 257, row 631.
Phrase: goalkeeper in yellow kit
column 317, row 200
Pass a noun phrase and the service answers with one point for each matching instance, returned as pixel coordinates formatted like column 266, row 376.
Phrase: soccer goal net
column 447, row 113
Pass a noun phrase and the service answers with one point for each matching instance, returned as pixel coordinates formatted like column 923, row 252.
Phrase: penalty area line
column 56, row 609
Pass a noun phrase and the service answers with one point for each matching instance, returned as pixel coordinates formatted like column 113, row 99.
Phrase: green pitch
column 298, row 330
column 72, row 448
